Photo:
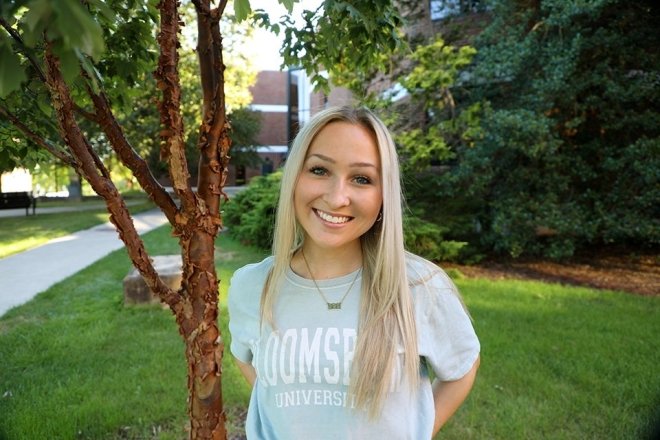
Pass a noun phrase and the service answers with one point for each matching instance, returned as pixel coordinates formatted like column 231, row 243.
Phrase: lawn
column 557, row 362
column 21, row 233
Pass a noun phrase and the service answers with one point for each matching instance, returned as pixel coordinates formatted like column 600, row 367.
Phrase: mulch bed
column 632, row 273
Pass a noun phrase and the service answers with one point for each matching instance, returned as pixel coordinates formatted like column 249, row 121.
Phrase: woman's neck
column 312, row 262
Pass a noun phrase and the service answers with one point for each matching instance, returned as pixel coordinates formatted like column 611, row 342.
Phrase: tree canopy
column 570, row 152
column 545, row 140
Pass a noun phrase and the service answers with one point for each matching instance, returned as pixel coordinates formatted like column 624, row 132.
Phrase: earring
column 380, row 216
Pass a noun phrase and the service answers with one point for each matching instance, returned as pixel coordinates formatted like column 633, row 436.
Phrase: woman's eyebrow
column 323, row 157
column 352, row 165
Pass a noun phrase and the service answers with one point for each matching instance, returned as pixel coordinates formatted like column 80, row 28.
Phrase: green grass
column 560, row 362
column 77, row 364
column 557, row 362
column 18, row 234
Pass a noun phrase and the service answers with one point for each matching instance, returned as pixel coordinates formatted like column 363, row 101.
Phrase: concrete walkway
column 24, row 275
column 41, row 209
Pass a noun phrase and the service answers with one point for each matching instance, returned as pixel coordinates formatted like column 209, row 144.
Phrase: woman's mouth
column 337, row 220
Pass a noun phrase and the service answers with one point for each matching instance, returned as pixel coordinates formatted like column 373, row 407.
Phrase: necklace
column 331, row 305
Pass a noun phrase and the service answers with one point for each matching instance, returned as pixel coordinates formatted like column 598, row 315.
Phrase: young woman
column 339, row 330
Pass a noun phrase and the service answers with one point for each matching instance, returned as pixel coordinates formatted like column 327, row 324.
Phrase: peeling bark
column 213, row 133
column 130, row 158
column 198, row 221
column 86, row 163
column 167, row 80
column 204, row 347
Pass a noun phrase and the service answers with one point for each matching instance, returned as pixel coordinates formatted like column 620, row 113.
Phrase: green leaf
column 44, row 105
column 38, row 11
column 35, row 20
column 288, row 4
column 11, row 71
column 105, row 10
column 68, row 62
column 6, row 162
column 94, row 74
column 78, row 29
column 242, row 9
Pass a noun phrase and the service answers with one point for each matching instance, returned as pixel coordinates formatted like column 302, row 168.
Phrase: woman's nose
column 337, row 194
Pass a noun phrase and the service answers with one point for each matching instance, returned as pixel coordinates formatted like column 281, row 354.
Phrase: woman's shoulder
column 434, row 294
column 253, row 271
column 246, row 286
column 422, row 272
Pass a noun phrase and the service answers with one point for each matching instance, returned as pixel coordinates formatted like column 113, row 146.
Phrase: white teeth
column 331, row 218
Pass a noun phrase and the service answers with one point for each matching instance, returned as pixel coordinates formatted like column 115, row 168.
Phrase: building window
column 441, row 9
column 299, row 100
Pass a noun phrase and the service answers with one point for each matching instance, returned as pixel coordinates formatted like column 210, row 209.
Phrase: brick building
column 269, row 98
column 458, row 21
column 285, row 100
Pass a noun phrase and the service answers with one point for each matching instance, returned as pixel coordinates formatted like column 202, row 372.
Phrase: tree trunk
column 196, row 221
column 204, row 347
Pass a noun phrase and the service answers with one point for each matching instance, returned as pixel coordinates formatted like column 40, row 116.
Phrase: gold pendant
column 334, row 306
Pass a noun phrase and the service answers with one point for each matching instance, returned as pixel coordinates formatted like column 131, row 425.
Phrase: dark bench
column 14, row 200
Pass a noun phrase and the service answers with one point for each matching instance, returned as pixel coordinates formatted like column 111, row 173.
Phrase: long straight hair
column 386, row 320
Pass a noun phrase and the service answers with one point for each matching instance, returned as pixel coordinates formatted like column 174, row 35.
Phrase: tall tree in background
column 546, row 141
column 68, row 67
column 568, row 157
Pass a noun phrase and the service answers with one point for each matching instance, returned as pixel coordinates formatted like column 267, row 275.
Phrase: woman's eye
column 362, row 180
column 318, row 171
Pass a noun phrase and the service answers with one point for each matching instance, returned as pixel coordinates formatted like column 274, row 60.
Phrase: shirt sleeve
column 243, row 305
column 446, row 337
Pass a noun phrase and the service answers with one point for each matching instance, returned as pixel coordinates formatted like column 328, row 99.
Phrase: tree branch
column 202, row 6
column 221, row 7
column 100, row 166
column 206, row 53
column 37, row 67
column 38, row 140
column 220, row 140
column 167, row 77
column 86, row 163
column 93, row 117
column 130, row 157
column 213, row 141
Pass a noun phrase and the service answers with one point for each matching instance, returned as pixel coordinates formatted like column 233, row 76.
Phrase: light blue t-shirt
column 301, row 391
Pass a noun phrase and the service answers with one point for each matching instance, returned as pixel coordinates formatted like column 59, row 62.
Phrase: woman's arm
column 248, row 371
column 448, row 396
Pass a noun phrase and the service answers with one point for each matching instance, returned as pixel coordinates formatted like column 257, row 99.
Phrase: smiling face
column 339, row 193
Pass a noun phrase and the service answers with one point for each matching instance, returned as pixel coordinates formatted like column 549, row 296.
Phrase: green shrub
column 250, row 217
column 426, row 239
column 250, row 214
column 454, row 274
column 548, row 143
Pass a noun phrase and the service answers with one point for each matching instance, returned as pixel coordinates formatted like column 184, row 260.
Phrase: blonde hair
column 386, row 320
